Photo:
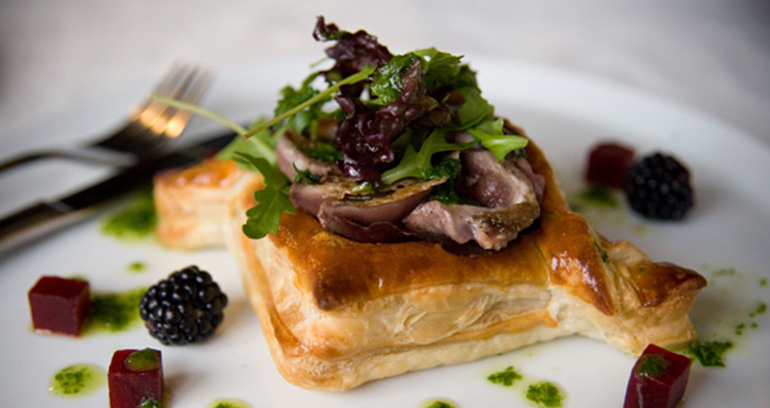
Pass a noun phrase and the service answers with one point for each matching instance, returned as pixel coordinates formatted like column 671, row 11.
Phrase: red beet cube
column 658, row 379
column 130, row 382
column 59, row 305
column 608, row 163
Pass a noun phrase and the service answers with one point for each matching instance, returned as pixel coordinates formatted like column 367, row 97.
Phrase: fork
column 149, row 127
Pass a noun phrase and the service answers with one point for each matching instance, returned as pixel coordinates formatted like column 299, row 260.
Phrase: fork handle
column 89, row 156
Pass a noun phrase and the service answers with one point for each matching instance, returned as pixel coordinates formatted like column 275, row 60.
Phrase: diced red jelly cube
column 59, row 305
column 608, row 163
column 658, row 380
column 128, row 387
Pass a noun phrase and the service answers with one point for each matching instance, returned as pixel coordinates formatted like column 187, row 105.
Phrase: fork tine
column 155, row 114
column 193, row 94
column 151, row 123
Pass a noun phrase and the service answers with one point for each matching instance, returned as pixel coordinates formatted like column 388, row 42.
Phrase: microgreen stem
column 200, row 111
column 361, row 75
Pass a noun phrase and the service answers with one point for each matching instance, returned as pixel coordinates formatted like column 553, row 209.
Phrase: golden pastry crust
column 338, row 313
column 192, row 203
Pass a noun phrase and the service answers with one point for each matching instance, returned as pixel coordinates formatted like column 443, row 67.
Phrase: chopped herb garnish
column 149, row 403
column 115, row 311
column 652, row 365
column 760, row 309
column 133, row 221
column 709, row 353
column 545, row 394
column 506, row 377
column 440, row 404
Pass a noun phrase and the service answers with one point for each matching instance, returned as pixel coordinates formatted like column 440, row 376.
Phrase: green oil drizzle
column 143, row 360
column 136, row 220
column 545, row 394
column 77, row 380
column 115, row 312
column 229, row 403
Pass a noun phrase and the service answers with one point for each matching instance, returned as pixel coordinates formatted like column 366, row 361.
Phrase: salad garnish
column 393, row 115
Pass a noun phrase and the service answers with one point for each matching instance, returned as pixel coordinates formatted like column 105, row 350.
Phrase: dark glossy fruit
column 185, row 308
column 59, row 305
column 608, row 163
column 658, row 187
column 658, row 379
column 128, row 387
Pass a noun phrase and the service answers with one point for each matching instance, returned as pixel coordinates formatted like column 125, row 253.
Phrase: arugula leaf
column 305, row 176
column 442, row 68
column 386, row 81
column 318, row 98
column 490, row 134
column 475, row 108
column 418, row 164
column 323, row 151
column 272, row 200
column 291, row 97
column 261, row 145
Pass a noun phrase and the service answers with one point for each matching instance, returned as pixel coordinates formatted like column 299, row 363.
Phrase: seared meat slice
column 368, row 218
column 288, row 155
column 508, row 201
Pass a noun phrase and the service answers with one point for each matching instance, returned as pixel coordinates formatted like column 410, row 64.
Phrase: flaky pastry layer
column 338, row 313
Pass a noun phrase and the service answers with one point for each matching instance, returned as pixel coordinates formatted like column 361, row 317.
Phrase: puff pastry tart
column 338, row 313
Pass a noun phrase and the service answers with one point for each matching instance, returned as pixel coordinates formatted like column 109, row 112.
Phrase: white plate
column 565, row 113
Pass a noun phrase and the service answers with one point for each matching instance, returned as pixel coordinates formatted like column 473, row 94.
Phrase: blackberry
column 184, row 308
column 658, row 187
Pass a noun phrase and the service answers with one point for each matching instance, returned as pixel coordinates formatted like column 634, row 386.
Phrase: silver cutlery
column 147, row 130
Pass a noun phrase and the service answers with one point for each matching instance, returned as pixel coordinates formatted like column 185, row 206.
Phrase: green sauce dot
column 505, row 377
column 136, row 220
column 143, row 360
column 77, row 380
column 137, row 267
column 709, row 353
column 229, row 403
column 440, row 403
column 652, row 365
column 545, row 394
column 150, row 403
column 115, row 312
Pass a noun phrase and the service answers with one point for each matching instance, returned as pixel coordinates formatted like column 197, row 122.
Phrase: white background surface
column 708, row 54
